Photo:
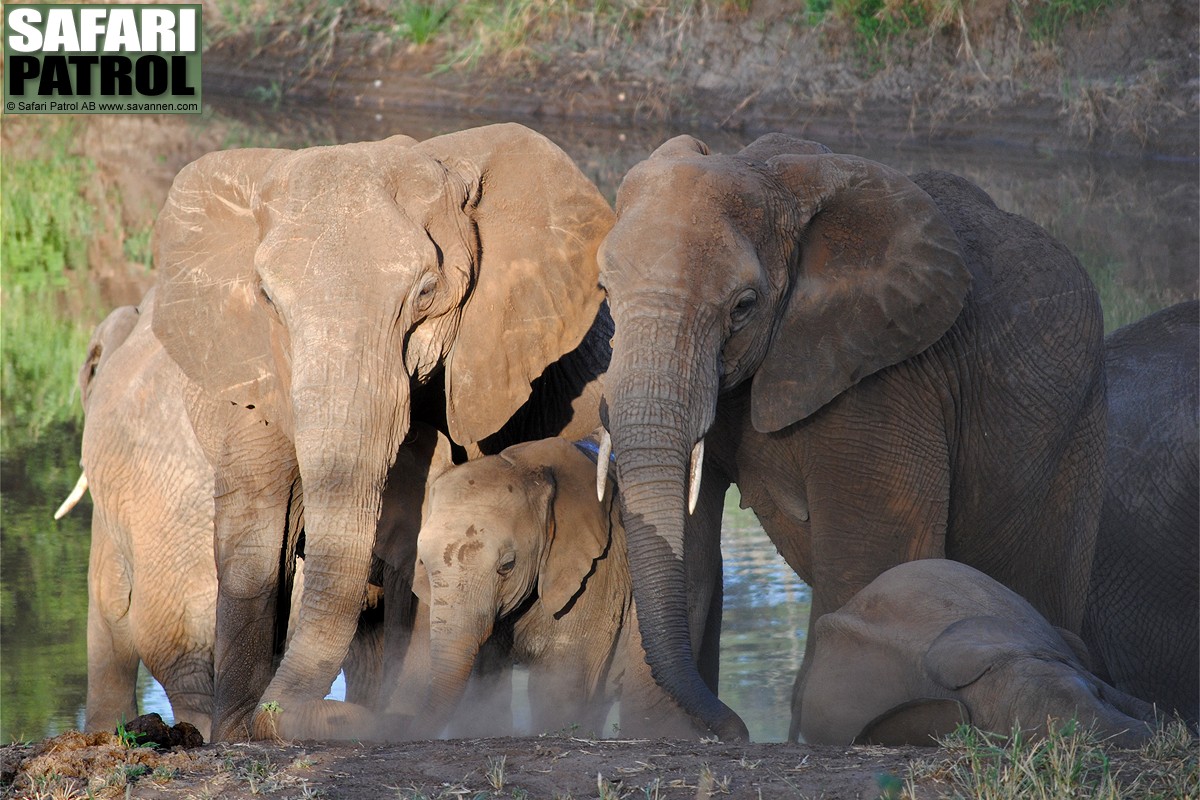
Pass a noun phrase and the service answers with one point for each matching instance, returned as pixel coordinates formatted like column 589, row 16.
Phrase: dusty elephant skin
column 931, row 644
column 519, row 541
column 1143, row 618
column 151, row 582
column 319, row 300
column 889, row 369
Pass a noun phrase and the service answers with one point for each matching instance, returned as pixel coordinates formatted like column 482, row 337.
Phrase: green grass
column 1047, row 19
column 46, row 219
column 1069, row 762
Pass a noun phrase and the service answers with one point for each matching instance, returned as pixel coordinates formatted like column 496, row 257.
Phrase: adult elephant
column 889, row 368
column 1143, row 616
column 152, row 583
column 320, row 299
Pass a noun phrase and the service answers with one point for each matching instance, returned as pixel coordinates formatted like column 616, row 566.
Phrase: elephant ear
column 681, row 146
column 580, row 524
column 108, row 336
column 879, row 277
column 966, row 650
column 777, row 144
column 539, row 221
column 916, row 722
column 207, row 314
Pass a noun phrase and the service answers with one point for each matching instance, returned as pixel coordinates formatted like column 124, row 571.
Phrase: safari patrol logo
column 102, row 59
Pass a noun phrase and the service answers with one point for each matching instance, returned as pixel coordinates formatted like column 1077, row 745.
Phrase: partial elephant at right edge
column 517, row 545
column 1143, row 616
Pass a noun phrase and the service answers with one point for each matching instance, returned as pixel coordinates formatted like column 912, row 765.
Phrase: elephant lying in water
column 934, row 643
column 518, row 541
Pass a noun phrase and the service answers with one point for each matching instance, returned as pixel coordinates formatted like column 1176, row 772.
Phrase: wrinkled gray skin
column 519, row 541
column 933, row 643
column 889, row 369
column 321, row 299
column 152, row 585
column 152, row 582
column 1143, row 618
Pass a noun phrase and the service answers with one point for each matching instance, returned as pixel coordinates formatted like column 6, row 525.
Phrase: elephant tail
column 74, row 497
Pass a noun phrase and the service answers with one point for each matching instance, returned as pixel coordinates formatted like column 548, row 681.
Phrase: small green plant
column 130, row 740
column 418, row 20
column 606, row 789
column 495, row 771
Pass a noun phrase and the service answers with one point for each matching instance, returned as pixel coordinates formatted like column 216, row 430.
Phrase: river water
column 1133, row 223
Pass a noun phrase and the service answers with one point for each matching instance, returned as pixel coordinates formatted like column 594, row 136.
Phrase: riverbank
column 1120, row 78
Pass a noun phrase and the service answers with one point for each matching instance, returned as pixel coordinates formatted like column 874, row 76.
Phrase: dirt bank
column 1122, row 80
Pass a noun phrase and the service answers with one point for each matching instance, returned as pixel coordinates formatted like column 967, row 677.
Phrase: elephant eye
column 742, row 308
column 265, row 297
column 426, row 294
column 507, row 564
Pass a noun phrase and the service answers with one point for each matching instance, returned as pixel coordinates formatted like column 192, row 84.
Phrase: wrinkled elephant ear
column 108, row 336
column 880, row 277
column 580, row 525
column 207, row 313
column 967, row 649
column 539, row 222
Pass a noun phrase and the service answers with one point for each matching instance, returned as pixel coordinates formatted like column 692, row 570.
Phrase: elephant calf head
column 934, row 643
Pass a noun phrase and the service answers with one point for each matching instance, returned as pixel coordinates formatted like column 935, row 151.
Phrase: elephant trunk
column 454, row 645
column 661, row 401
column 351, row 414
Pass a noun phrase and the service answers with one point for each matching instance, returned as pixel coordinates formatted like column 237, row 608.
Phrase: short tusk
column 602, row 457
column 695, row 471
column 76, row 494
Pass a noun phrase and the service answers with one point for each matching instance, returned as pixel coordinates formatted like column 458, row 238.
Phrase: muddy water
column 1133, row 224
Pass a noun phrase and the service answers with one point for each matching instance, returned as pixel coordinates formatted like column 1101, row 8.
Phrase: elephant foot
column 312, row 719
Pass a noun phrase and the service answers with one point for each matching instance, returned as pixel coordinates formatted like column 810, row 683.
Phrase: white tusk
column 602, row 464
column 73, row 497
column 695, row 470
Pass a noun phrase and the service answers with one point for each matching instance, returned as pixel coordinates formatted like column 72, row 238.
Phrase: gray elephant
column 889, row 368
column 319, row 300
column 931, row 644
column 152, row 585
column 516, row 546
column 1143, row 619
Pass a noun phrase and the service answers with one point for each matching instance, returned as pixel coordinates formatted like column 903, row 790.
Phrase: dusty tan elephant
column 933, row 643
column 321, row 300
column 152, row 585
column 152, row 581
column 516, row 545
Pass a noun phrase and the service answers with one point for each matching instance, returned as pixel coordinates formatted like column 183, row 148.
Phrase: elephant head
column 930, row 644
column 307, row 294
column 784, row 267
column 502, row 532
column 112, row 331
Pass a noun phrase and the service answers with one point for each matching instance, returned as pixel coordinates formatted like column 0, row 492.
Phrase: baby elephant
column 929, row 644
column 517, row 543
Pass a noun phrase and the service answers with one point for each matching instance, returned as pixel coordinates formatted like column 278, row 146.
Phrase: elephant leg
column 255, row 565
column 112, row 657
